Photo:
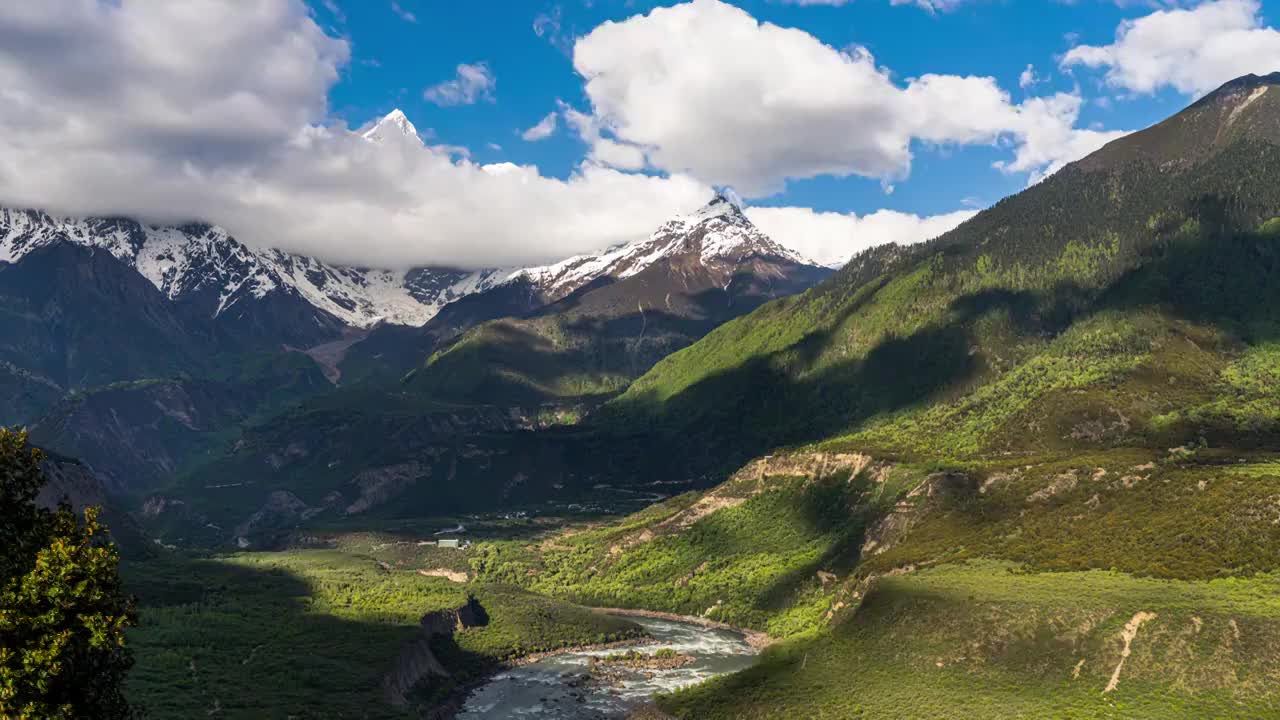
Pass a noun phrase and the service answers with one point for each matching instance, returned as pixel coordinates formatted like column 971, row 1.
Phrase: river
column 554, row 687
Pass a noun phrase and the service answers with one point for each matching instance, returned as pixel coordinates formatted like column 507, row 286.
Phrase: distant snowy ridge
column 201, row 260
column 191, row 259
column 187, row 260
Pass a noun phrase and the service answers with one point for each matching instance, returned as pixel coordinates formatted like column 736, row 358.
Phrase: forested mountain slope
column 656, row 297
column 1024, row 470
column 1066, row 305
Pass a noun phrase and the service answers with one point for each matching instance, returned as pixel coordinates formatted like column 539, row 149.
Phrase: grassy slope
column 964, row 641
column 1071, row 399
column 593, row 343
column 1031, row 567
column 966, row 334
column 311, row 633
column 752, row 562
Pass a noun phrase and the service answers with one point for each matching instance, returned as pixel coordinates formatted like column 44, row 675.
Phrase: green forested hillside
column 313, row 633
column 139, row 434
column 1085, row 284
column 593, row 343
column 1024, row 470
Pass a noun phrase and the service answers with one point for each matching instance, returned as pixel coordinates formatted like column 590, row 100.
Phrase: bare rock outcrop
column 417, row 662
column 379, row 485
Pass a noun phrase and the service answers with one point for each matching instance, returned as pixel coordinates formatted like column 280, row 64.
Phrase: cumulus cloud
column 136, row 109
column 704, row 88
column 602, row 150
column 1192, row 50
column 832, row 238
column 545, row 128
column 1048, row 139
column 473, row 83
column 80, row 79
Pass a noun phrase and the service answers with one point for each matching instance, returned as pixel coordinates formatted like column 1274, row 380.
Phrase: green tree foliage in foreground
column 62, row 611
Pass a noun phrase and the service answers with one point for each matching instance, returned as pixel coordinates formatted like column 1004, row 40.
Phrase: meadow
column 311, row 633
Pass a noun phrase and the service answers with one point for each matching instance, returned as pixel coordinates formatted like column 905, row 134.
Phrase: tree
column 63, row 612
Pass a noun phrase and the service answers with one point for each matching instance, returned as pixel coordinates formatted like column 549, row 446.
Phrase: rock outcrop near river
column 417, row 661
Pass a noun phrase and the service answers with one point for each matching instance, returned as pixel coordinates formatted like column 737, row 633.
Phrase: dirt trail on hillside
column 1128, row 634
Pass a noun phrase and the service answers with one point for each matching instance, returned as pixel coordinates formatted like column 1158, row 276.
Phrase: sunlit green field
column 310, row 634
column 981, row 641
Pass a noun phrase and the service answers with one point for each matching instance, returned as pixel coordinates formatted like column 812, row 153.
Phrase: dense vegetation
column 976, row 640
column 63, row 614
column 753, row 561
column 1071, row 510
column 138, row 434
column 590, row 345
column 1087, row 281
column 311, row 633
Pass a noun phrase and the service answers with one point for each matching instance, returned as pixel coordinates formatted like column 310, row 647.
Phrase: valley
column 552, row 427
column 974, row 476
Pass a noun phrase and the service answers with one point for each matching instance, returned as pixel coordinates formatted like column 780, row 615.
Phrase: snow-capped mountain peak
column 724, row 204
column 718, row 235
column 393, row 124
column 201, row 261
column 205, row 265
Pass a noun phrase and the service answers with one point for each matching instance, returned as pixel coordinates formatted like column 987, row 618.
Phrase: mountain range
column 182, row 335
column 204, row 267
column 1024, row 469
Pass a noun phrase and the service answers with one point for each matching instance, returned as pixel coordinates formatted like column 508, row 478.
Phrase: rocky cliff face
column 74, row 483
column 71, row 482
column 137, row 435
column 417, row 663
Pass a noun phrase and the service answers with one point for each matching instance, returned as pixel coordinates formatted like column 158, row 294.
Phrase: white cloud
column 473, row 83
column 832, row 238
column 930, row 5
column 703, row 88
column 335, row 10
column 82, row 80
column 402, row 13
column 136, row 109
column 1049, row 138
column 549, row 25
column 602, row 150
column 1191, row 50
column 545, row 128
column 1028, row 78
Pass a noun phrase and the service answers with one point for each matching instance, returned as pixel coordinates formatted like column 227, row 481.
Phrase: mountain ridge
column 611, row 316
column 186, row 260
column 1006, row 473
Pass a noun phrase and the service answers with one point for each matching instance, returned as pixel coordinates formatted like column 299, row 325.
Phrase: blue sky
column 843, row 123
column 395, row 59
